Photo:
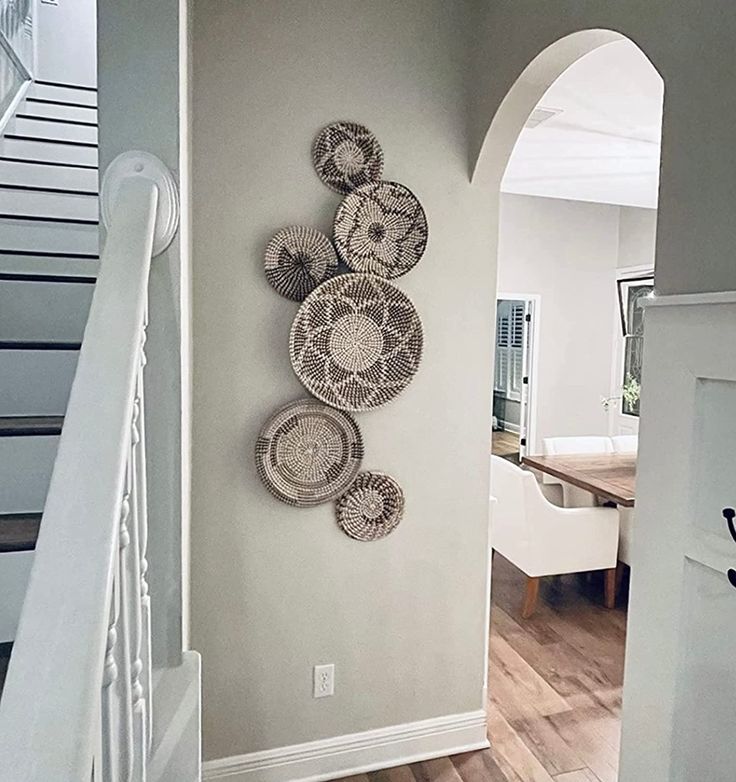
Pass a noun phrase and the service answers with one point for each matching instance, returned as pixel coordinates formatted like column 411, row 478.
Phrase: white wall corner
column 356, row 753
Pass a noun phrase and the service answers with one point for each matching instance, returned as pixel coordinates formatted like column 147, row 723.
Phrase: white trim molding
column 356, row 753
column 507, row 426
column 690, row 299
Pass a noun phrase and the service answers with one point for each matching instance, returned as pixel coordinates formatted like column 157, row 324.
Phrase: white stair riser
column 40, row 264
column 15, row 570
column 36, row 382
column 35, row 108
column 25, row 471
column 43, row 311
column 19, row 149
column 53, row 177
column 67, row 94
column 49, row 237
column 57, row 205
column 41, row 129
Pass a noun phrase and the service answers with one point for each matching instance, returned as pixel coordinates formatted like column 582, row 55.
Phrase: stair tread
column 17, row 426
column 19, row 531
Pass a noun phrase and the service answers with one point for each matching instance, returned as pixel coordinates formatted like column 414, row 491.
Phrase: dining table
column 611, row 477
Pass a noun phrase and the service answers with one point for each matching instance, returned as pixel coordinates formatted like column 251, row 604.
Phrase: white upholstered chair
column 542, row 539
column 573, row 497
column 554, row 446
column 625, row 443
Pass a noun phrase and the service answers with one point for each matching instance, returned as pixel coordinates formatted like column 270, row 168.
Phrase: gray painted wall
column 691, row 46
column 637, row 236
column 274, row 589
column 66, row 42
column 566, row 252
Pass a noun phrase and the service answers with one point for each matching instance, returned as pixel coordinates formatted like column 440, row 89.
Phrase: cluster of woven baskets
column 356, row 341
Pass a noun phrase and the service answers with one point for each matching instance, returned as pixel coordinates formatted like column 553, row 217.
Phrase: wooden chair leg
column 610, row 588
column 530, row 597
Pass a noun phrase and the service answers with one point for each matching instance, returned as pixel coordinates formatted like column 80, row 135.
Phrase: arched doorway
column 512, row 639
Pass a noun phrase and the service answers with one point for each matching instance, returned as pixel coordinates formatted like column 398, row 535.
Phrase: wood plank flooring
column 505, row 444
column 555, row 689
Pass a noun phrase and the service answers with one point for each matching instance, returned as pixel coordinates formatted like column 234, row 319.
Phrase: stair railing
column 77, row 699
column 17, row 49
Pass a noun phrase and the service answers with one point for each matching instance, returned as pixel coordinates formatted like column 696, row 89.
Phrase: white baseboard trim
column 507, row 426
column 356, row 753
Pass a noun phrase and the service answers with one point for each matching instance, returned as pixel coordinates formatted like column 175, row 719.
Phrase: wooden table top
column 610, row 476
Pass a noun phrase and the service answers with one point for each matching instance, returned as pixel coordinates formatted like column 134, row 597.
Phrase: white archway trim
column 525, row 94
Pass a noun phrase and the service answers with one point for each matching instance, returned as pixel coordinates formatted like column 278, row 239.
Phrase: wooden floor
column 555, row 690
column 504, row 443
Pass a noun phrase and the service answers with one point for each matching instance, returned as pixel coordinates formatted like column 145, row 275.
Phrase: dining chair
column 625, row 443
column 573, row 497
column 544, row 540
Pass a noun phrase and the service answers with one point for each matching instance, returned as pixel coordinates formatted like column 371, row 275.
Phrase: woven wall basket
column 356, row 342
column 381, row 229
column 308, row 453
column 347, row 155
column 297, row 260
column 371, row 508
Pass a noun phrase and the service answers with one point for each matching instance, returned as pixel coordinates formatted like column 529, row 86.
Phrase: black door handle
column 730, row 514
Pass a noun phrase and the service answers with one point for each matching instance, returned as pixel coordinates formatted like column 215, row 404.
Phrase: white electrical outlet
column 324, row 680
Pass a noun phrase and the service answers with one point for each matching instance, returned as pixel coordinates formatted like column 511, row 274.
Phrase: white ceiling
column 604, row 144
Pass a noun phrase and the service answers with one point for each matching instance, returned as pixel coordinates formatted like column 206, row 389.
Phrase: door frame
column 528, row 405
column 619, row 422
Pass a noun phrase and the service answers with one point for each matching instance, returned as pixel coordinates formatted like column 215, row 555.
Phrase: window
column 631, row 293
column 510, row 348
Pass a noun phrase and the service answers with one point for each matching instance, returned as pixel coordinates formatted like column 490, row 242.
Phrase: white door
column 528, row 329
column 515, row 363
column 679, row 712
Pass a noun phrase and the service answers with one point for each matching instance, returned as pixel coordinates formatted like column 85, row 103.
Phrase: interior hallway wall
column 637, row 237
column 692, row 47
column 67, row 42
column 277, row 589
column 566, row 252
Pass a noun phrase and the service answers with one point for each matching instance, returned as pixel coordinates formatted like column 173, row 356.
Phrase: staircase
column 48, row 266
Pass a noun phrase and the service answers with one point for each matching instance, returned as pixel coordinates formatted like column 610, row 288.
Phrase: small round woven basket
column 347, row 155
column 308, row 453
column 381, row 229
column 371, row 508
column 297, row 260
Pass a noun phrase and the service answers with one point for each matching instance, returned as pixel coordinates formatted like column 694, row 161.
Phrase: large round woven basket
column 356, row 342
column 298, row 259
column 371, row 508
column 308, row 453
column 347, row 155
column 381, row 229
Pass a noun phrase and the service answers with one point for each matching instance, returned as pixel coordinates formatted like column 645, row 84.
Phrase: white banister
column 77, row 698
